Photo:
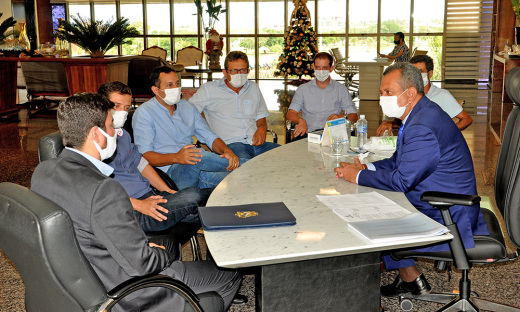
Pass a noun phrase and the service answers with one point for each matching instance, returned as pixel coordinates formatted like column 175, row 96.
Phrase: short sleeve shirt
column 230, row 115
column 405, row 57
column 445, row 100
column 318, row 104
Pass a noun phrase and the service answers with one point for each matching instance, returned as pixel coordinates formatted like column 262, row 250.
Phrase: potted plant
column 96, row 37
column 4, row 27
column 213, row 11
column 9, row 47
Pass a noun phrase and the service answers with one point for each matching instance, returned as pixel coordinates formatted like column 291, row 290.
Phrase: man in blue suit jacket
column 431, row 155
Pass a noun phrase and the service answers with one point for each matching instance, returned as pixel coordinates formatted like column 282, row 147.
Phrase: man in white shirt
column 235, row 108
column 440, row 96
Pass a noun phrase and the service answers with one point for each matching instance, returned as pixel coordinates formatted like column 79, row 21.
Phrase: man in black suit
column 103, row 217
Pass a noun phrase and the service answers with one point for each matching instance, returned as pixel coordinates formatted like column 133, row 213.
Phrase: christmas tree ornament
column 299, row 48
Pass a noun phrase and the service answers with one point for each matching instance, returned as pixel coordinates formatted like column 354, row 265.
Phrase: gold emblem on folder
column 246, row 214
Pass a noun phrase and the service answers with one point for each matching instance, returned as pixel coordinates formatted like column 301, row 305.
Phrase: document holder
column 246, row 216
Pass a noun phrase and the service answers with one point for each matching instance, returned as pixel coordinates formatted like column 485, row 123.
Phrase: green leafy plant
column 516, row 8
column 96, row 37
column 4, row 27
column 213, row 9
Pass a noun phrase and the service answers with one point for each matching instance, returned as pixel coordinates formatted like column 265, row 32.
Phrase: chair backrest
column 139, row 70
column 507, row 177
column 45, row 78
column 338, row 56
column 189, row 56
column 50, row 146
column 413, row 52
column 155, row 51
column 38, row 237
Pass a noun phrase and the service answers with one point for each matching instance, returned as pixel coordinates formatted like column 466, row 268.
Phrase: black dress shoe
column 419, row 286
column 239, row 299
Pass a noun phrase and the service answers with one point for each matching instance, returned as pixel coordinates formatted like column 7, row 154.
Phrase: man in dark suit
column 431, row 155
column 103, row 217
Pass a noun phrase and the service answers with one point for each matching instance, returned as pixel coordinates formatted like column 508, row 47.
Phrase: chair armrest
column 442, row 199
column 128, row 287
column 166, row 178
column 275, row 136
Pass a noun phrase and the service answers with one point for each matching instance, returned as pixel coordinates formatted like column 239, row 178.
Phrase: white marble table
column 370, row 75
column 318, row 244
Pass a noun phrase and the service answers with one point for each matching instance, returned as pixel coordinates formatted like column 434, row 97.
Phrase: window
column 332, row 17
column 395, row 16
column 133, row 10
column 158, row 17
column 360, row 28
column 241, row 17
column 362, row 17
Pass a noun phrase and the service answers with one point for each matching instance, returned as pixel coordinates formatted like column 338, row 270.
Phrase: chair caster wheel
column 406, row 304
column 474, row 294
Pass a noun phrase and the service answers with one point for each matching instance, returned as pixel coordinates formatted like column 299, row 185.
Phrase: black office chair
column 139, row 69
column 50, row 147
column 38, row 237
column 488, row 249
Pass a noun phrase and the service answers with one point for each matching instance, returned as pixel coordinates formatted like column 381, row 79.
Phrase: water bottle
column 348, row 126
column 362, row 131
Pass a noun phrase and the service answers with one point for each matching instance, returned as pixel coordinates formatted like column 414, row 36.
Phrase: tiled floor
column 18, row 158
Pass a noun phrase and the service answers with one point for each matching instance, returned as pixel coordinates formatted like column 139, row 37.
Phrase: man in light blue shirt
column 163, row 132
column 235, row 108
column 441, row 97
column 320, row 100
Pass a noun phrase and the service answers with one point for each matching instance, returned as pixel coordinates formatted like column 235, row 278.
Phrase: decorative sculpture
column 214, row 47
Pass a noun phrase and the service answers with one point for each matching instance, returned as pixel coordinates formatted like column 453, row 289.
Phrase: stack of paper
column 414, row 225
column 379, row 219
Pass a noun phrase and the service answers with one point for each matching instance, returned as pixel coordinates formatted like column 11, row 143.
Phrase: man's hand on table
column 301, row 128
column 385, row 126
column 349, row 171
column 234, row 162
column 334, row 116
column 188, row 155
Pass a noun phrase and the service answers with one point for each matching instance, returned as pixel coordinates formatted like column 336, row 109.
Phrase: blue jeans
column 182, row 206
column 246, row 151
column 205, row 174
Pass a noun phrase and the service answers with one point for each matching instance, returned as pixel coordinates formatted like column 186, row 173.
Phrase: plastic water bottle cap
column 362, row 116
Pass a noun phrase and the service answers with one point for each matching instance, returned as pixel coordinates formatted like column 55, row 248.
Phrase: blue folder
column 245, row 216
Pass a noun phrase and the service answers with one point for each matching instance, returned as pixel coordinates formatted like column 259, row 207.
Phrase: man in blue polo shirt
column 235, row 108
column 320, row 99
column 154, row 210
column 164, row 128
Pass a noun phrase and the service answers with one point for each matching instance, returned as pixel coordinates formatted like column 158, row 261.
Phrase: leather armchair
column 50, row 147
column 488, row 249
column 38, row 237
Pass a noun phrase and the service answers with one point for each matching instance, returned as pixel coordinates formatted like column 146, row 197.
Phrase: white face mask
column 108, row 151
column 321, row 75
column 119, row 118
column 238, row 80
column 173, row 96
column 390, row 106
column 425, row 79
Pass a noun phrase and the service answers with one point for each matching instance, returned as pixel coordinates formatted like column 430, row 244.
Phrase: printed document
column 414, row 225
column 363, row 206
column 378, row 219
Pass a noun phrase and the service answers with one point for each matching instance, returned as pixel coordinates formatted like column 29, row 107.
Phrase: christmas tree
column 297, row 57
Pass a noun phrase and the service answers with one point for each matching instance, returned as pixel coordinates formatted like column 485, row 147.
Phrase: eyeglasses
column 238, row 71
